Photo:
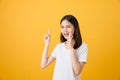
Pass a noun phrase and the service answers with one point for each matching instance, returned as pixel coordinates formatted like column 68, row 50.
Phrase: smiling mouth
column 66, row 34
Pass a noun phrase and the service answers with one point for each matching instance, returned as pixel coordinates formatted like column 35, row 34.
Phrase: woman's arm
column 45, row 59
column 77, row 66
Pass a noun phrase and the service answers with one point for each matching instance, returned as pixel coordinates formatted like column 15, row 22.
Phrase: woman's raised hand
column 70, row 41
column 47, row 38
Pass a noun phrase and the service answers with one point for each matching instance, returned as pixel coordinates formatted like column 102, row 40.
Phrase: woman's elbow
column 42, row 66
column 77, row 73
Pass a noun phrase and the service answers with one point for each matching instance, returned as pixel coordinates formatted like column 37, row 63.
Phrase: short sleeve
column 55, row 51
column 83, row 53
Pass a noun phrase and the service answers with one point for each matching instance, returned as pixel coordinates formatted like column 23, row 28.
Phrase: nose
column 65, row 29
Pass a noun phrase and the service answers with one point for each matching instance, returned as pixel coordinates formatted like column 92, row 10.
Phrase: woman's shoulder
column 83, row 46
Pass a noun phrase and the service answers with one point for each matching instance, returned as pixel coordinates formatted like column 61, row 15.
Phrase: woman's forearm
column 44, row 56
column 75, row 63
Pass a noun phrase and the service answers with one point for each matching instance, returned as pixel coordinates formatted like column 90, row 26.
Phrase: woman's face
column 67, row 29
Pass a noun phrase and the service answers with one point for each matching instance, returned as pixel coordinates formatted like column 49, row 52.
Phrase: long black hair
column 77, row 35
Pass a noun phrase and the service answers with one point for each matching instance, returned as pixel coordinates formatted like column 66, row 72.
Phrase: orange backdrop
column 23, row 24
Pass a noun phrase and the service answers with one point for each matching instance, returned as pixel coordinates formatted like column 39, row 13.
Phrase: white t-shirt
column 63, row 67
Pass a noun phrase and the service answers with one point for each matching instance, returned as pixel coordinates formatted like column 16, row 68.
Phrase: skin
column 67, row 30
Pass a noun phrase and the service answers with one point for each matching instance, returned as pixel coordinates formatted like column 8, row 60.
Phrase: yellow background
column 23, row 24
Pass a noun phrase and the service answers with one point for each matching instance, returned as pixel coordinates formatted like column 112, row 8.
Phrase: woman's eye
column 68, row 27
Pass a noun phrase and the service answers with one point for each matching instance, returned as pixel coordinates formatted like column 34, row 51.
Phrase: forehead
column 65, row 22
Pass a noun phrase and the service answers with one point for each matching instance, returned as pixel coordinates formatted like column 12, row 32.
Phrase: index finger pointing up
column 49, row 31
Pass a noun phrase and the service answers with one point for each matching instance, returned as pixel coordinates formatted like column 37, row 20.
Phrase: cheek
column 72, row 31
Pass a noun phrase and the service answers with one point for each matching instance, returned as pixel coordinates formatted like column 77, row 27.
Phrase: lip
column 66, row 35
